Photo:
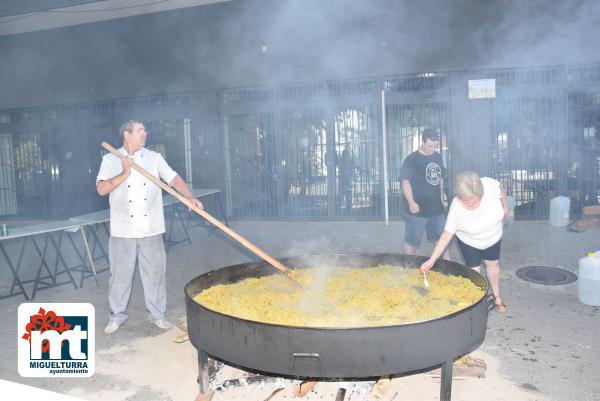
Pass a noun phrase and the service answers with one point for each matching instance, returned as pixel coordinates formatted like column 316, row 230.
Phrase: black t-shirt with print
column 424, row 174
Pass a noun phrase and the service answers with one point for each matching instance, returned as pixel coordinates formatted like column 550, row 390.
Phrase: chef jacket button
column 130, row 201
column 145, row 199
column 145, row 215
column 128, row 186
column 144, row 183
column 131, row 215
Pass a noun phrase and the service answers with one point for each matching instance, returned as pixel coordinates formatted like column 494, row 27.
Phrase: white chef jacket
column 136, row 208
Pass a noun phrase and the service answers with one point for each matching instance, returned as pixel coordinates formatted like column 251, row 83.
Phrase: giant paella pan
column 358, row 351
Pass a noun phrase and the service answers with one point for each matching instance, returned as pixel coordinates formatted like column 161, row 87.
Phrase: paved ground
column 547, row 344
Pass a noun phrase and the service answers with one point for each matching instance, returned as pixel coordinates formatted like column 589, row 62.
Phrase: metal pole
column 386, row 217
column 228, row 178
column 187, row 149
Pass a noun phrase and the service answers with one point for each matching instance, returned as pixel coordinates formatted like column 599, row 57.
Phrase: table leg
column 175, row 212
column 19, row 264
column 96, row 235
column 219, row 194
column 180, row 210
column 223, row 215
column 48, row 238
column 81, row 259
column 42, row 264
column 169, row 240
column 60, row 257
column 15, row 273
column 90, row 258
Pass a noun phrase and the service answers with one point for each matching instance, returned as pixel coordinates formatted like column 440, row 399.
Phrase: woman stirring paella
column 476, row 216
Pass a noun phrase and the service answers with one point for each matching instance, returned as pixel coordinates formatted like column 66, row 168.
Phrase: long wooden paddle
column 292, row 274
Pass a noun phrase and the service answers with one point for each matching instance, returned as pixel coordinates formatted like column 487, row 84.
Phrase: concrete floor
column 547, row 343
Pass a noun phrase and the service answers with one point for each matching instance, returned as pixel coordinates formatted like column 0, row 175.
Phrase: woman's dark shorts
column 474, row 256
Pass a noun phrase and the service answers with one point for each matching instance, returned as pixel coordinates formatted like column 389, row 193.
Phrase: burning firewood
column 304, row 388
column 464, row 367
column 202, row 397
column 274, row 394
column 380, row 388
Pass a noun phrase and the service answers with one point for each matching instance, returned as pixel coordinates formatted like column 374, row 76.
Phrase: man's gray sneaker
column 111, row 327
column 162, row 324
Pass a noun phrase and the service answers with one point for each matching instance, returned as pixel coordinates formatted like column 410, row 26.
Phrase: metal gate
column 305, row 136
column 357, row 161
column 314, row 150
column 528, row 138
column 584, row 137
column 413, row 104
column 302, row 151
column 8, row 191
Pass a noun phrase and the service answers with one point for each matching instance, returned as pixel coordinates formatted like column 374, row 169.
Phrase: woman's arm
column 504, row 200
column 440, row 245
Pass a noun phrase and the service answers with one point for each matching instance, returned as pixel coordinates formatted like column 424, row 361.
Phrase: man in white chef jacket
column 137, row 223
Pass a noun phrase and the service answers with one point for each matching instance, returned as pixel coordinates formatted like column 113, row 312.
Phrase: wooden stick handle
column 262, row 254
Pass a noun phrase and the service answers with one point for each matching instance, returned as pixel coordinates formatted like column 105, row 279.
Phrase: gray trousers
column 150, row 254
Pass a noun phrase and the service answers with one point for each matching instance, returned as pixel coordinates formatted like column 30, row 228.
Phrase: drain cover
column 546, row 275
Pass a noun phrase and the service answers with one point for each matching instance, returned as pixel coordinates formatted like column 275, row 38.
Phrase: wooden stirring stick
column 292, row 274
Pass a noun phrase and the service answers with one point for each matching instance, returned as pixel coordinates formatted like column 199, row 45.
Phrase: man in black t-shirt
column 423, row 187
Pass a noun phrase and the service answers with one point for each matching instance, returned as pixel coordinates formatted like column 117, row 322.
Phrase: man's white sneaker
column 111, row 327
column 162, row 324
